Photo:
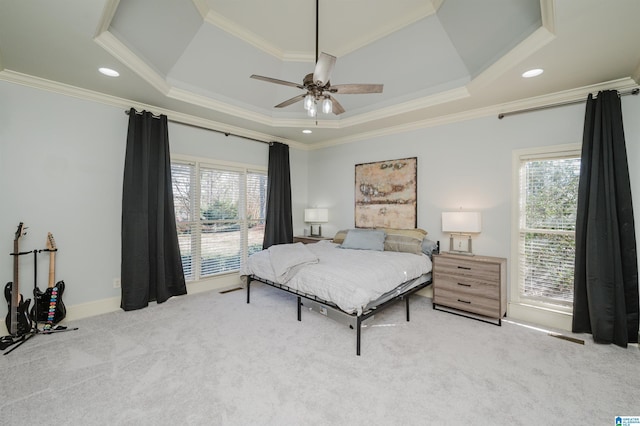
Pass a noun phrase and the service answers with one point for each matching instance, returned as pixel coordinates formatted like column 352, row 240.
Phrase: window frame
column 196, row 222
column 529, row 309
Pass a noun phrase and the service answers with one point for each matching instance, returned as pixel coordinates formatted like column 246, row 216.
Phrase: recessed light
column 109, row 72
column 306, row 131
column 532, row 73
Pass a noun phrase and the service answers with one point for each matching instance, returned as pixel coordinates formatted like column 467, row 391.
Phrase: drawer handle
column 464, row 267
column 464, row 285
column 464, row 301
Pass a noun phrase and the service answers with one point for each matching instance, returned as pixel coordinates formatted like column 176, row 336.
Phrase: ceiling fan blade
column 354, row 89
column 323, row 69
column 276, row 81
column 291, row 101
column 337, row 108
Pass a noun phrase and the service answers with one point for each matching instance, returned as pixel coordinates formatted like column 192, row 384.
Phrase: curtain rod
column 205, row 128
column 504, row 114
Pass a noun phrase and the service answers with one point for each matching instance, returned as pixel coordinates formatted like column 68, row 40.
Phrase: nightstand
column 309, row 239
column 471, row 284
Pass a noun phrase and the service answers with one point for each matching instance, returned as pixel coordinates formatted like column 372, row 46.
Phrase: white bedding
column 349, row 278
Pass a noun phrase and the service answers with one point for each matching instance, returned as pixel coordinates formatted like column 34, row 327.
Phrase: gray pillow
column 364, row 239
column 428, row 246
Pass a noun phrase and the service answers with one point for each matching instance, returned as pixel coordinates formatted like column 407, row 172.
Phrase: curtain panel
column 279, row 221
column 151, row 266
column 606, row 271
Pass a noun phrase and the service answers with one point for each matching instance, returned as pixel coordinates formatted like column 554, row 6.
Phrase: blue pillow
column 364, row 239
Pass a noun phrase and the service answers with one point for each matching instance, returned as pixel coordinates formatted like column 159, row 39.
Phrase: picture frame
column 386, row 194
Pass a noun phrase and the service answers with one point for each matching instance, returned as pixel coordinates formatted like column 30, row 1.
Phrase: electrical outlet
column 116, row 283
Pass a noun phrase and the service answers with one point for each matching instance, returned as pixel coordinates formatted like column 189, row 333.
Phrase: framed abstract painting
column 386, row 194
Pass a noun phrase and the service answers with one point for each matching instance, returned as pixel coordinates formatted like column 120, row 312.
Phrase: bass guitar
column 18, row 321
column 48, row 306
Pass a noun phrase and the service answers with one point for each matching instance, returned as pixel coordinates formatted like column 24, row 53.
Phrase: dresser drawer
column 468, row 268
column 468, row 286
column 474, row 304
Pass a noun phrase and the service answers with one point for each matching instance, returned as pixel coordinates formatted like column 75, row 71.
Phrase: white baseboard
column 542, row 316
column 112, row 304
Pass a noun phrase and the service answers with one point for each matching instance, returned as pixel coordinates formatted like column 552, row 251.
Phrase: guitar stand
column 17, row 341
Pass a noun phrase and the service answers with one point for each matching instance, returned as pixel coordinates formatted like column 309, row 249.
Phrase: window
column 220, row 216
column 548, row 195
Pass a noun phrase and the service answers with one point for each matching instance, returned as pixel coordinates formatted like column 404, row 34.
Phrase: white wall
column 61, row 162
column 61, row 165
column 466, row 164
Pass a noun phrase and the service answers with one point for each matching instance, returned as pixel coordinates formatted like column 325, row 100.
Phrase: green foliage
column 220, row 210
column 552, row 194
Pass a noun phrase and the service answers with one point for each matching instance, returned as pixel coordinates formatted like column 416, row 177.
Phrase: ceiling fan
column 318, row 87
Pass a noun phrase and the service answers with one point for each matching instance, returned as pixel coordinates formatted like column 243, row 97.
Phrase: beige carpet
column 211, row 359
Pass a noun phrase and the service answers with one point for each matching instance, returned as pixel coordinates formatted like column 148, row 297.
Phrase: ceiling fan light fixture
column 327, row 105
column 311, row 112
column 308, row 101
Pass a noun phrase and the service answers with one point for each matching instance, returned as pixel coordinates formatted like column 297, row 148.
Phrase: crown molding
column 540, row 38
column 390, row 27
column 121, row 52
column 125, row 104
column 566, row 96
column 219, row 106
column 236, row 30
column 108, row 12
column 243, row 34
column 548, row 13
column 405, row 107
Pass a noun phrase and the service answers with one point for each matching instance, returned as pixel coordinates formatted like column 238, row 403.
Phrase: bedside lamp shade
column 316, row 215
column 461, row 222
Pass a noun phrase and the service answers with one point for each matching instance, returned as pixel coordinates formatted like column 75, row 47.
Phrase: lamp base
column 316, row 231
column 460, row 244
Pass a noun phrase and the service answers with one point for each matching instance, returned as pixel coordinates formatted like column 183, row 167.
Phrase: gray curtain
column 151, row 267
column 279, row 222
column 606, row 271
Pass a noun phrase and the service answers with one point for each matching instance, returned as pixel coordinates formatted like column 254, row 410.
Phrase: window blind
column 220, row 216
column 548, row 206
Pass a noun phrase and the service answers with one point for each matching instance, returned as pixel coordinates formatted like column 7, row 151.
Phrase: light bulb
column 311, row 112
column 327, row 105
column 308, row 101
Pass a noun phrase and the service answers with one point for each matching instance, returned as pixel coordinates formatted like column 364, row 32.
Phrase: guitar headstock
column 20, row 232
column 51, row 243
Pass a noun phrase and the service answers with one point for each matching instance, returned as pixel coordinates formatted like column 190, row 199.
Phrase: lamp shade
column 461, row 222
column 316, row 215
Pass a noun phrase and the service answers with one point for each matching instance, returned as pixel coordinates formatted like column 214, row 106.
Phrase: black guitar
column 18, row 321
column 49, row 304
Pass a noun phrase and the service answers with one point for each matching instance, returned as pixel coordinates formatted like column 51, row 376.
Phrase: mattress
column 351, row 279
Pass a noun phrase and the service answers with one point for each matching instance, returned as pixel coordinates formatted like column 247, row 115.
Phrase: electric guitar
column 18, row 321
column 49, row 304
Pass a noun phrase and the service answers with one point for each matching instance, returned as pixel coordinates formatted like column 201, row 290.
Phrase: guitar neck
column 52, row 269
column 15, row 296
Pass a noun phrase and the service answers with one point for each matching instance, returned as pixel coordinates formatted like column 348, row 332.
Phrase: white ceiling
column 439, row 60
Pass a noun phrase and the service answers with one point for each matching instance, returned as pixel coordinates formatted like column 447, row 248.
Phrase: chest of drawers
column 471, row 284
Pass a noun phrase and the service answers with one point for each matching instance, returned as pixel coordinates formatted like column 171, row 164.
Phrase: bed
column 348, row 279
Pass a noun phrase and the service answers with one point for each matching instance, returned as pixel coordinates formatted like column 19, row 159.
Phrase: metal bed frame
column 325, row 307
